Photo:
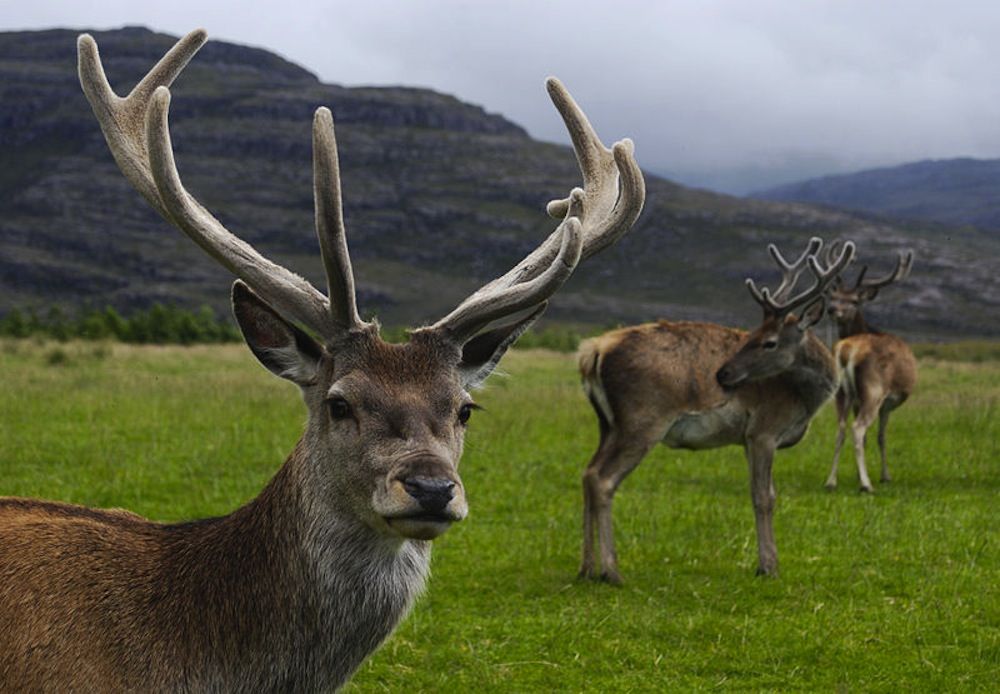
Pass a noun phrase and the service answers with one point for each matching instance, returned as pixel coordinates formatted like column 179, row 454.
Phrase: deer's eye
column 339, row 408
column 770, row 344
column 464, row 412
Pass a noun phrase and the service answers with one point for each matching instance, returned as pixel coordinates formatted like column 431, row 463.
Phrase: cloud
column 742, row 93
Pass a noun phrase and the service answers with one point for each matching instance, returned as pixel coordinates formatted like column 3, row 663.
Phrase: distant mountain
column 440, row 196
column 950, row 191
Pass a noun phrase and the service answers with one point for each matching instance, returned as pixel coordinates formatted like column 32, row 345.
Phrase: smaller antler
column 790, row 272
column 780, row 306
column 904, row 262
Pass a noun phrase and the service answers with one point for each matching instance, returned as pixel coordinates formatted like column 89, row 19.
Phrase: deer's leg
column 843, row 407
column 760, row 456
column 624, row 455
column 864, row 419
column 590, row 481
column 883, row 423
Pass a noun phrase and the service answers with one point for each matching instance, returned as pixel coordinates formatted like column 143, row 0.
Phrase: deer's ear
column 868, row 293
column 812, row 314
column 285, row 350
column 481, row 354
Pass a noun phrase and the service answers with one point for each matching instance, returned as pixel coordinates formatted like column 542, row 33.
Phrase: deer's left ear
column 812, row 314
column 481, row 354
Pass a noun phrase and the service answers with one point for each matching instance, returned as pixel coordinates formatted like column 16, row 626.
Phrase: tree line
column 158, row 324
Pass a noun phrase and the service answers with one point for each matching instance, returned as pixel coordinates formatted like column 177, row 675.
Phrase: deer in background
column 877, row 370
column 700, row 385
column 293, row 590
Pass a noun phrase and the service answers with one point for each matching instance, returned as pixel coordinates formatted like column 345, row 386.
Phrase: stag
column 877, row 370
column 700, row 385
column 293, row 590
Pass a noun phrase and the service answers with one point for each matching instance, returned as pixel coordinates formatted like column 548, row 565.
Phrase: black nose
column 722, row 376
column 433, row 493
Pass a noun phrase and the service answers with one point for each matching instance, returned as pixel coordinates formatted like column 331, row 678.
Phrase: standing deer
column 877, row 370
column 700, row 385
column 293, row 590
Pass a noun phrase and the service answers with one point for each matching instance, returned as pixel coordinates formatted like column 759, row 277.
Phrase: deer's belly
column 721, row 426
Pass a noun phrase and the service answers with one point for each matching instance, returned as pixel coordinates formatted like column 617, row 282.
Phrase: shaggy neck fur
column 284, row 594
column 856, row 326
column 814, row 375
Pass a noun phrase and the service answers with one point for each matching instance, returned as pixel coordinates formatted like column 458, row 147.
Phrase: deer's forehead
column 840, row 297
column 393, row 371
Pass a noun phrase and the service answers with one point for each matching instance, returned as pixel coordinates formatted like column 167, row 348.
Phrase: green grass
column 895, row 591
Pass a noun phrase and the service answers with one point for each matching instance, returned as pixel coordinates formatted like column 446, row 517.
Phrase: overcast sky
column 733, row 95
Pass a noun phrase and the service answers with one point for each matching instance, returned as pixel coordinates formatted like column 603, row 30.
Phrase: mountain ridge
column 439, row 196
column 955, row 191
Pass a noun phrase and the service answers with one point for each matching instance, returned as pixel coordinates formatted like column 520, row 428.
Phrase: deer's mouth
column 423, row 525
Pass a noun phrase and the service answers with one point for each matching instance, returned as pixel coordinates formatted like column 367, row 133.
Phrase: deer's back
column 881, row 356
column 667, row 367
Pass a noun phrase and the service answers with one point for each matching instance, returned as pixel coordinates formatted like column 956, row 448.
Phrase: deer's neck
column 856, row 326
column 814, row 374
column 286, row 588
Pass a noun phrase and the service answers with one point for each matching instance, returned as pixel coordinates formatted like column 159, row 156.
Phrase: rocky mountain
column 950, row 191
column 440, row 196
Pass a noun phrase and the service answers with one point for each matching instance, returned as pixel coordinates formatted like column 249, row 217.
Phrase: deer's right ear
column 481, row 354
column 284, row 349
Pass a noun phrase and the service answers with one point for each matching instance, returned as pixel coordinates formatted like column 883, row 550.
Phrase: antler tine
column 860, row 278
column 123, row 120
column 479, row 311
column 791, row 271
column 604, row 209
column 823, row 276
column 610, row 210
column 904, row 262
column 330, row 222
column 288, row 294
column 136, row 129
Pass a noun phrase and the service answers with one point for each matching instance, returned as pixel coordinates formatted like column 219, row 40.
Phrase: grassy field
column 894, row 591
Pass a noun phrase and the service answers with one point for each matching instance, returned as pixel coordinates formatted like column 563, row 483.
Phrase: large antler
column 593, row 218
column 137, row 131
column 781, row 305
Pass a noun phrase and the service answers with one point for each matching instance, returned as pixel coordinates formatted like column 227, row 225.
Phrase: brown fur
column 877, row 374
column 877, row 371
column 658, row 382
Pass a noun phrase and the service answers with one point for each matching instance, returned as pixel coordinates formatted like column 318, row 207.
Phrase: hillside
column 949, row 191
column 439, row 197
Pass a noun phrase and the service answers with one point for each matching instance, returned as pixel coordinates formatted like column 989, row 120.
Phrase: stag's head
column 777, row 343
column 846, row 301
column 386, row 421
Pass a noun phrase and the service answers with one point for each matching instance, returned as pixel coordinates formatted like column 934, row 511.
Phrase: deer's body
column 877, row 371
column 293, row 590
column 697, row 386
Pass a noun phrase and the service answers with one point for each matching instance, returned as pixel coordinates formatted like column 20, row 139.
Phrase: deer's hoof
column 866, row 490
column 830, row 486
column 612, row 578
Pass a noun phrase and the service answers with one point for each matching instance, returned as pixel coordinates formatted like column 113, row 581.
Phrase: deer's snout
column 724, row 377
column 432, row 493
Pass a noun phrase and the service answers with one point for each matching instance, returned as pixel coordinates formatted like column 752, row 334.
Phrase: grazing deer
column 877, row 370
column 293, row 590
column 699, row 385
